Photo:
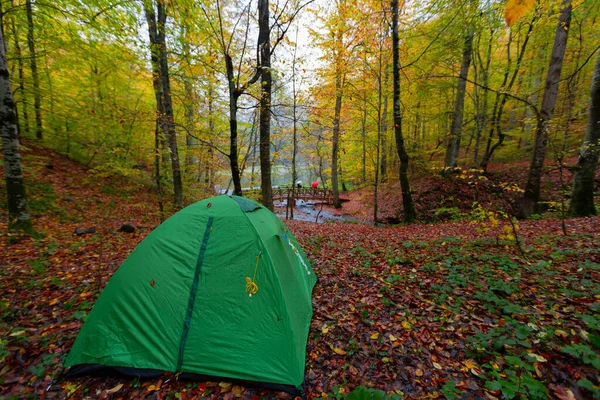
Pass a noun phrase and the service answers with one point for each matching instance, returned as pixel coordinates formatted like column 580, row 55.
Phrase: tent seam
column 193, row 292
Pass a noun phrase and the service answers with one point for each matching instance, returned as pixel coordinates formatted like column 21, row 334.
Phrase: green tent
column 221, row 289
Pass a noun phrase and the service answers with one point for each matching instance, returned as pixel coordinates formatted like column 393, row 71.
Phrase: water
column 308, row 211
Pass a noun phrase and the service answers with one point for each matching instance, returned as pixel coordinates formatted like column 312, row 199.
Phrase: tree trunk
column 582, row 198
column 363, row 128
column 339, row 92
column 409, row 209
column 506, row 88
column 482, row 113
column 264, row 43
column 335, row 140
column 20, row 67
column 208, row 163
column 384, row 127
column 157, row 175
column 294, row 128
column 379, row 131
column 190, row 160
column 233, row 133
column 457, row 117
column 18, row 208
column 34, row 72
column 530, row 202
column 162, row 86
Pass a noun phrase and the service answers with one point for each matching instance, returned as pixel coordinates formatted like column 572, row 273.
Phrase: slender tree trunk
column 294, row 128
column 506, row 88
column 18, row 208
column 482, row 113
column 22, row 94
column 457, row 117
column 208, row 163
column 409, row 209
column 157, row 175
column 233, row 132
column 582, row 198
column 335, row 140
column 363, row 123
column 162, row 85
column 530, row 202
column 379, row 131
column 339, row 92
column 383, row 127
column 190, row 160
column 34, row 72
column 188, row 105
column 533, row 99
column 264, row 42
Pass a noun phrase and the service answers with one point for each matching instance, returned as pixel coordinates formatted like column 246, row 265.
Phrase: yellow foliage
column 515, row 9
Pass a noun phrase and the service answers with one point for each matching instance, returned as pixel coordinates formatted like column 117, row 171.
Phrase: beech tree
column 18, row 208
column 407, row 202
column 457, row 116
column 266, row 82
column 531, row 197
column 582, row 198
column 157, row 19
column 34, row 71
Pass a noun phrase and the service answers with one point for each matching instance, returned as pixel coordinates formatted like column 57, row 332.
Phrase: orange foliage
column 515, row 9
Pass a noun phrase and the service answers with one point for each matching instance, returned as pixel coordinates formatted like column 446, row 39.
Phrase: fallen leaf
column 115, row 389
column 537, row 357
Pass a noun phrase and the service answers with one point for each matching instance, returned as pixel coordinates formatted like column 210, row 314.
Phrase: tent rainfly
column 221, row 290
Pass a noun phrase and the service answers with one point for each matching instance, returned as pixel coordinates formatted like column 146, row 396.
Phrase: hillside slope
column 429, row 311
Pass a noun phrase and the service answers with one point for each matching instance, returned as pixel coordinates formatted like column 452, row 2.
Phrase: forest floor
column 445, row 310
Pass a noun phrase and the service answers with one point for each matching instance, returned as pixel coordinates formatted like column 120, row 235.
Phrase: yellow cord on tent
column 251, row 286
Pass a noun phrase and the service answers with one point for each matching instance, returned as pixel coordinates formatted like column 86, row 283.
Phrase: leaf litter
column 421, row 311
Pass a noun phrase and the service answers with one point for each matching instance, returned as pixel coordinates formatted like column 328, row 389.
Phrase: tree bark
column 482, row 113
column 409, row 209
column 34, row 72
column 335, row 140
column 582, row 198
column 208, row 163
column 18, row 208
column 363, row 127
column 531, row 197
column 20, row 67
column 162, row 86
column 497, row 118
column 294, row 128
column 339, row 92
column 264, row 43
column 234, row 95
column 457, row 117
column 384, row 126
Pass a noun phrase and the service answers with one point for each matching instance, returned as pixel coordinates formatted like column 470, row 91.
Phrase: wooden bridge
column 317, row 195
column 284, row 194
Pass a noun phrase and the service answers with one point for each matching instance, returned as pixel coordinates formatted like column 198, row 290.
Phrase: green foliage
column 587, row 384
column 363, row 393
column 450, row 391
column 584, row 353
column 449, row 214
